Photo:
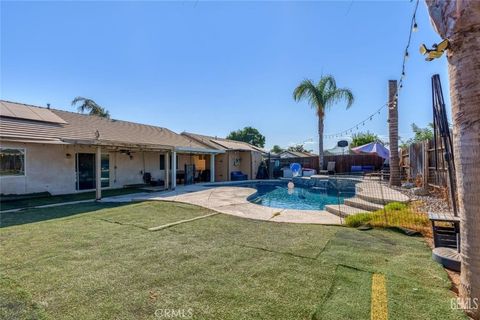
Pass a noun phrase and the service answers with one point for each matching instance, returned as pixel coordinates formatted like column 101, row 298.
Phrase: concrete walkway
column 233, row 201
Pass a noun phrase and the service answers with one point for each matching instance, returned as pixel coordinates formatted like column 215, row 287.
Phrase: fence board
column 343, row 163
column 419, row 159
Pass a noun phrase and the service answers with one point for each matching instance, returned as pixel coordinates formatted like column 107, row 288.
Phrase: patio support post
column 98, row 173
column 174, row 170
column 212, row 167
column 167, row 170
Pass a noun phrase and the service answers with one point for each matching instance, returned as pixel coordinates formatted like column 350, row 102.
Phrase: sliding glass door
column 85, row 171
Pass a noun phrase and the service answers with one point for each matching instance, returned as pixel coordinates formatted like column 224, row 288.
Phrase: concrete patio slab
column 232, row 200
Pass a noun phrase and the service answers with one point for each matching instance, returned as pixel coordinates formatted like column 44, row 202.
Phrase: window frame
column 162, row 155
column 24, row 150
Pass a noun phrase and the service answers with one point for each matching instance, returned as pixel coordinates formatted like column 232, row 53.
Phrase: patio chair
column 330, row 168
column 238, row 176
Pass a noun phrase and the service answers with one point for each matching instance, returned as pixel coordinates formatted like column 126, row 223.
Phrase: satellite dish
column 342, row 143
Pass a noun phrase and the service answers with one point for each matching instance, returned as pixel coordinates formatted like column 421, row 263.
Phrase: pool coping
column 232, row 200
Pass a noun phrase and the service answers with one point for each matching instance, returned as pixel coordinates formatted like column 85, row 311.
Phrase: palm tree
column 459, row 22
column 321, row 97
column 91, row 106
column 393, row 134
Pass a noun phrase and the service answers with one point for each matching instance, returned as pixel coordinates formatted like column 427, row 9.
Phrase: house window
column 162, row 162
column 12, row 162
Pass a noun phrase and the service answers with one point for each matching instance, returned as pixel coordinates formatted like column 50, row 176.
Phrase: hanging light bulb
column 415, row 26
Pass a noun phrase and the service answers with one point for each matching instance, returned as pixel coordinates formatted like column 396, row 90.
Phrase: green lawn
column 34, row 200
column 99, row 261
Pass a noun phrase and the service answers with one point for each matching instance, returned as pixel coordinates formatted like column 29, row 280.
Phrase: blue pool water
column 300, row 198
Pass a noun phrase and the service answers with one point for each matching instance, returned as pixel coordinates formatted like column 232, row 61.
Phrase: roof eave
column 198, row 150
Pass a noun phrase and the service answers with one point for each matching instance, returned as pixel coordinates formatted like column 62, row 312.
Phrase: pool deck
column 230, row 198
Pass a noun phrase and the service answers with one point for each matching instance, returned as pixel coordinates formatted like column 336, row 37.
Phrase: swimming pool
column 277, row 195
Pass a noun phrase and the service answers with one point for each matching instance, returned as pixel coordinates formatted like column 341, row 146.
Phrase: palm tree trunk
column 320, row 142
column 393, row 134
column 464, row 74
column 459, row 22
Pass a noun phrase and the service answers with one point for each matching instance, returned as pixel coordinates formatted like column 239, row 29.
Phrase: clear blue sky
column 213, row 67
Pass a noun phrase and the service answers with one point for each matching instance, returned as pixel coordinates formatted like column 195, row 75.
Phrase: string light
column 415, row 25
column 394, row 103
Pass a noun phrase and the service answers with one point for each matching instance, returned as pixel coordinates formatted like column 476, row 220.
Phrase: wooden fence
column 343, row 163
column 418, row 163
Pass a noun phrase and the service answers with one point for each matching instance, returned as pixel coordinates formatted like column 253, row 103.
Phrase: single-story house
column 236, row 156
column 60, row 152
column 296, row 154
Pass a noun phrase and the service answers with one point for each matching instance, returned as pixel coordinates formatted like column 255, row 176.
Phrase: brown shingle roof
column 221, row 143
column 83, row 128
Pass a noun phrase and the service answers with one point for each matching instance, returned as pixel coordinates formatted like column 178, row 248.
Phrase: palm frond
column 327, row 83
column 91, row 106
column 338, row 95
column 307, row 90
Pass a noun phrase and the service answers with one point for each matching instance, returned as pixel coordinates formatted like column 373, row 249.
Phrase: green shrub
column 395, row 206
column 359, row 219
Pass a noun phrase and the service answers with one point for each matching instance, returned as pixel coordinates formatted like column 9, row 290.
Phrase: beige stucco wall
column 221, row 167
column 246, row 163
column 48, row 169
column 256, row 160
column 125, row 170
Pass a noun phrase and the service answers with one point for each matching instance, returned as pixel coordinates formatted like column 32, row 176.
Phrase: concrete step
column 376, row 198
column 380, row 194
column 342, row 210
column 363, row 204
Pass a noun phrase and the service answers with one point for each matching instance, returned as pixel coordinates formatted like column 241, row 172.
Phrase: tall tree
column 361, row 138
column 276, row 149
column 422, row 134
column 249, row 135
column 85, row 104
column 298, row 148
column 322, row 96
column 459, row 22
